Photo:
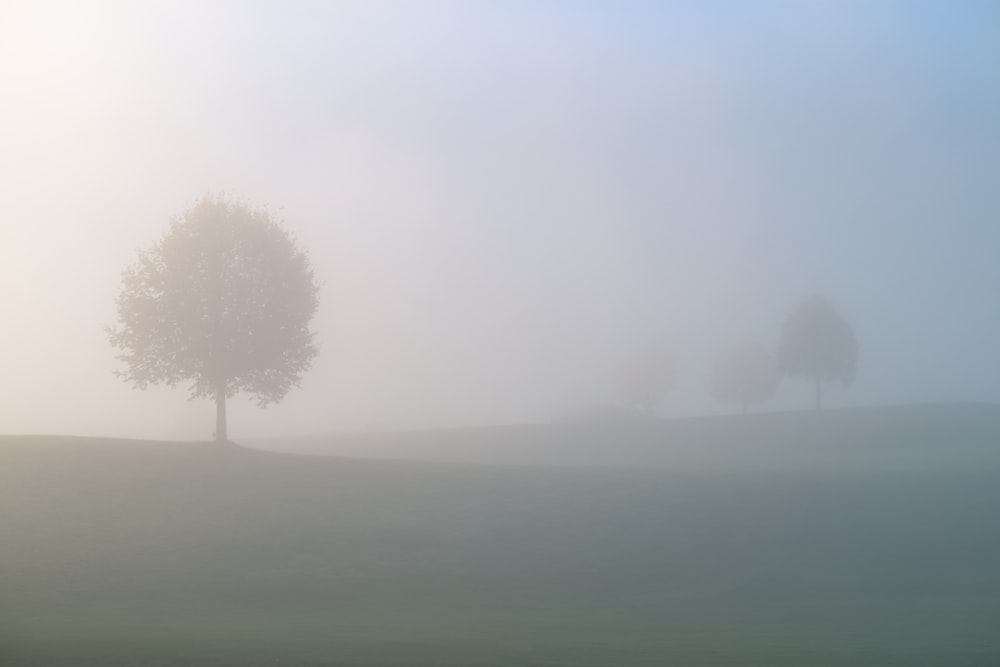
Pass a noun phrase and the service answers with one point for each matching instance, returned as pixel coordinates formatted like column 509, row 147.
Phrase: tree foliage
column 224, row 301
column 818, row 343
column 746, row 373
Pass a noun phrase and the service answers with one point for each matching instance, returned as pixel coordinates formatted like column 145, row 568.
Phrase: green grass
column 953, row 437
column 861, row 550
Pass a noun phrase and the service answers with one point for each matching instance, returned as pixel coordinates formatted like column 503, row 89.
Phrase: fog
column 505, row 203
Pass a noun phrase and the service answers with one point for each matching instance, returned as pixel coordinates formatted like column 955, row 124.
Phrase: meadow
column 851, row 537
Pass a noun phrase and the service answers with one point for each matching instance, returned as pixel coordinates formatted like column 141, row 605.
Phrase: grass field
column 850, row 538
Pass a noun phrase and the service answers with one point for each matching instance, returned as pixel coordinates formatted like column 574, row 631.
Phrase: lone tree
column 645, row 381
column 223, row 300
column 746, row 373
column 818, row 343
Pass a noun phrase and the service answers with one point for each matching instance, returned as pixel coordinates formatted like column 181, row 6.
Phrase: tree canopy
column 818, row 343
column 746, row 373
column 224, row 301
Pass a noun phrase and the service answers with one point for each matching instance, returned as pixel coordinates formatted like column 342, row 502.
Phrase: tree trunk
column 819, row 394
column 220, row 412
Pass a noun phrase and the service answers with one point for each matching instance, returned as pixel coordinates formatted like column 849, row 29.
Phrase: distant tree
column 224, row 300
column 818, row 343
column 645, row 381
column 746, row 373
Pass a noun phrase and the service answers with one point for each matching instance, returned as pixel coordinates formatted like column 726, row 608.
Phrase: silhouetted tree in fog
column 746, row 373
column 645, row 381
column 818, row 343
column 223, row 300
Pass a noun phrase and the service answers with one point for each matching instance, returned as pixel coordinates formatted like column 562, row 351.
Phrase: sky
column 506, row 202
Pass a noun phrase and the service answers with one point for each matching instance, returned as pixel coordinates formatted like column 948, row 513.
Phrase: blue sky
column 504, row 201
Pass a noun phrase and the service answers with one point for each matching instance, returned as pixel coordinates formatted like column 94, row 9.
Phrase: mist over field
column 504, row 203
column 518, row 333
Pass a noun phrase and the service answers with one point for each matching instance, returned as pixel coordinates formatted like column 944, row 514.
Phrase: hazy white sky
column 505, row 201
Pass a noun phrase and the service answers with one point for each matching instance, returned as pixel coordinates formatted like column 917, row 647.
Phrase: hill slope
column 117, row 552
column 959, row 436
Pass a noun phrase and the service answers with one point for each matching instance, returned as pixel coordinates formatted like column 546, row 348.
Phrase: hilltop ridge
column 889, row 436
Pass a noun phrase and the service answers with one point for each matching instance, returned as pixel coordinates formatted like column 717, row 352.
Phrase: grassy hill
column 876, row 543
column 953, row 437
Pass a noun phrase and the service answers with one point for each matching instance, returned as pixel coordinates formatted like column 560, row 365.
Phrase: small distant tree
column 224, row 300
column 818, row 343
column 746, row 373
column 645, row 381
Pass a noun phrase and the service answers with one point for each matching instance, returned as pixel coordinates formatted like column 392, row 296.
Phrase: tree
column 645, row 381
column 224, row 300
column 746, row 373
column 818, row 343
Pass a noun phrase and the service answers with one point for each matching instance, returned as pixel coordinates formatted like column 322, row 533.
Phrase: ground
column 855, row 537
